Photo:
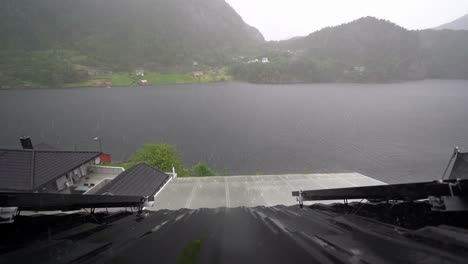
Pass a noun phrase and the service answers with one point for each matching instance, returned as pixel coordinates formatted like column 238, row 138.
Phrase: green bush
column 201, row 169
column 164, row 157
column 161, row 156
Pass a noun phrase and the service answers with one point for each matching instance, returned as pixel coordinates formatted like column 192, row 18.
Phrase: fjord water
column 392, row 132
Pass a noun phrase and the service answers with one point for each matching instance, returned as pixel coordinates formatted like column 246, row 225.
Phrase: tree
column 201, row 169
column 161, row 156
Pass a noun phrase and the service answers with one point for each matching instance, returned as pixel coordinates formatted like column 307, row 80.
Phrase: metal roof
column 27, row 170
column 460, row 167
column 277, row 234
column 404, row 191
column 43, row 146
column 250, row 190
column 58, row 201
column 140, row 180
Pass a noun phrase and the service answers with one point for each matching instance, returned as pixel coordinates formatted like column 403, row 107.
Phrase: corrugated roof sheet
column 140, row 180
column 26, row 170
column 15, row 170
column 277, row 234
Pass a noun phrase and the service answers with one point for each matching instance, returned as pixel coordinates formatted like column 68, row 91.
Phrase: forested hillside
column 367, row 49
column 52, row 43
column 60, row 37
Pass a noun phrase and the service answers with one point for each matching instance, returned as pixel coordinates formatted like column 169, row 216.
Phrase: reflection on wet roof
column 140, row 180
column 277, row 234
column 261, row 190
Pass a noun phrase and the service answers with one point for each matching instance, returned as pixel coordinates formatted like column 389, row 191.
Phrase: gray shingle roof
column 141, row 180
column 27, row 170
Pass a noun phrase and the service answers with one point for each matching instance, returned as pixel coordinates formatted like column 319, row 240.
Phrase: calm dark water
column 392, row 132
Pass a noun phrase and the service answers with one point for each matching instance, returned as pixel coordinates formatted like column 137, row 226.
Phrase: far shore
column 89, row 84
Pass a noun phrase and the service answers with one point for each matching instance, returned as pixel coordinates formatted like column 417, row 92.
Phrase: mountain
column 122, row 34
column 458, row 24
column 56, row 42
column 367, row 42
column 365, row 50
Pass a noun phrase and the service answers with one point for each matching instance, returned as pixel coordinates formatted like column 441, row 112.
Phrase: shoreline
column 215, row 82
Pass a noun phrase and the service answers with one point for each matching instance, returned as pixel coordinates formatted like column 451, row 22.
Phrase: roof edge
column 58, row 176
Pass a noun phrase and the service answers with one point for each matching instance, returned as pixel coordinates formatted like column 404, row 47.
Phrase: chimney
column 26, row 142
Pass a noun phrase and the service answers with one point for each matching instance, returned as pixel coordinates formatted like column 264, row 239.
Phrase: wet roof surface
column 253, row 190
column 26, row 170
column 277, row 234
column 140, row 180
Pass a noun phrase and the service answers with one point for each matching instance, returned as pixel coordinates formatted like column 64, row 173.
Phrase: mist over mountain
column 127, row 32
column 119, row 34
column 55, row 42
column 458, row 24
column 365, row 50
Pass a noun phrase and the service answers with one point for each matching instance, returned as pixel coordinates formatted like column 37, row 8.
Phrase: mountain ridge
column 56, row 42
column 118, row 35
column 460, row 23
column 364, row 50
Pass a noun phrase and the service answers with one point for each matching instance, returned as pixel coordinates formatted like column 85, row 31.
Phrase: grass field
column 153, row 78
column 126, row 166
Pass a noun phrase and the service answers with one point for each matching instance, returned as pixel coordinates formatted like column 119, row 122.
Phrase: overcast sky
column 282, row 19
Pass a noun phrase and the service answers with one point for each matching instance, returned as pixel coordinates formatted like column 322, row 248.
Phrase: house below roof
column 49, row 171
column 100, row 187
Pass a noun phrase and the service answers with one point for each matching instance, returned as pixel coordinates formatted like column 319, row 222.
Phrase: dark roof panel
column 141, row 180
column 26, row 170
column 228, row 235
column 49, row 165
column 15, row 170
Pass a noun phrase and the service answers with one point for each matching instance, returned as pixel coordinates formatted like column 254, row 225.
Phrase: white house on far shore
column 140, row 72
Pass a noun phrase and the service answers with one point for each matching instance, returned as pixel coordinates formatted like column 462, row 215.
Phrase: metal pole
column 100, row 144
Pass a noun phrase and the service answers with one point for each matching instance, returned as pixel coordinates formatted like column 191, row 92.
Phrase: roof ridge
column 19, row 150
column 65, row 151
column 154, row 168
column 96, row 154
column 50, row 150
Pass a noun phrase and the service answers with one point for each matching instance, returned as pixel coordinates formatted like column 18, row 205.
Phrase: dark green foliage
column 201, row 169
column 163, row 35
column 161, row 156
column 54, row 42
column 283, row 71
column 165, row 157
column 48, row 68
column 384, row 50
